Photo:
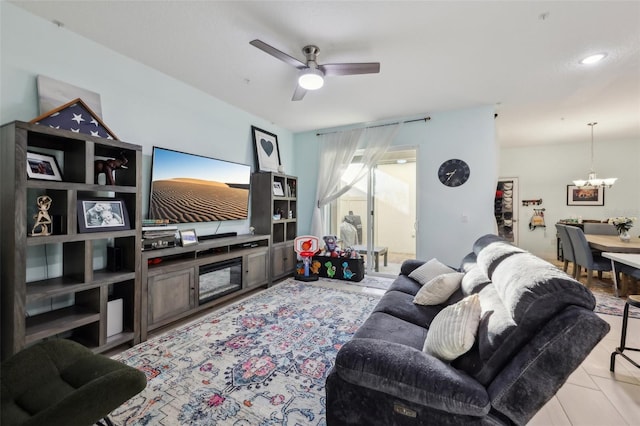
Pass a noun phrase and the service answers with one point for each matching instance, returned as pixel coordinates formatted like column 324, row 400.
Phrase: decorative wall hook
column 527, row 203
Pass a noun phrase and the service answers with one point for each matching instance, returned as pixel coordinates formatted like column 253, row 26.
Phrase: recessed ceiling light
column 593, row 59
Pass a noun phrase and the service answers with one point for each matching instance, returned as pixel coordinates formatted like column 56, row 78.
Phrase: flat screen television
column 188, row 188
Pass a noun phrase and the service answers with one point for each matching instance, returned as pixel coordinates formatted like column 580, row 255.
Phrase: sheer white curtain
column 336, row 153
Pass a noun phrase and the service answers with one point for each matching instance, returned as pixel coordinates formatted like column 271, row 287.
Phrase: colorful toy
column 346, row 272
column 331, row 270
column 331, row 246
column 306, row 246
column 315, row 267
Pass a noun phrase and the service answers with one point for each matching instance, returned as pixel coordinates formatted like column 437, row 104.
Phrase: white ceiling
column 522, row 56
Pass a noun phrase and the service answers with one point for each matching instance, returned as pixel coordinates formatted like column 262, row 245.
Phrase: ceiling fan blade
column 277, row 54
column 350, row 69
column 299, row 93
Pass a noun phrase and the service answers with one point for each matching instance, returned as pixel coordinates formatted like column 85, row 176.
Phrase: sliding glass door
column 377, row 216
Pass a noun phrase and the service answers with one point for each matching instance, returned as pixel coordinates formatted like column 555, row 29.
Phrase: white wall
column 449, row 219
column 545, row 171
column 139, row 104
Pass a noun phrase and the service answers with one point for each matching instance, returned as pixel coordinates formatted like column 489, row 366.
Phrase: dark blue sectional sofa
column 537, row 326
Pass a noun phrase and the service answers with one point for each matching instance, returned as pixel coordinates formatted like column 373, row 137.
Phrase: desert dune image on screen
column 189, row 188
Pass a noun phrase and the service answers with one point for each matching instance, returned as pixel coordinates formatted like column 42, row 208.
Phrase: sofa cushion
column 473, row 281
column 535, row 290
column 387, row 328
column 405, row 284
column 409, row 265
column 411, row 375
column 400, row 305
column 494, row 253
column 484, row 241
column 468, row 262
column 452, row 332
column 429, row 270
column 439, row 289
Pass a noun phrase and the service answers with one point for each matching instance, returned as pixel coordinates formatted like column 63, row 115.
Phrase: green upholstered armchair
column 60, row 382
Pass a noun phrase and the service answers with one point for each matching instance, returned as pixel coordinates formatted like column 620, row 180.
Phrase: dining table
column 630, row 259
column 612, row 243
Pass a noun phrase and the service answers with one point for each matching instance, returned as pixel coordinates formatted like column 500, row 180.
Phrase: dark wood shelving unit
column 82, row 280
column 264, row 205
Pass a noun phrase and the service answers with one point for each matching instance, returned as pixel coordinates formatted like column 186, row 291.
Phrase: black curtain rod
column 383, row 125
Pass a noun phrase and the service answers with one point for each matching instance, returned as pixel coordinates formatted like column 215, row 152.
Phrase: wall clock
column 454, row 172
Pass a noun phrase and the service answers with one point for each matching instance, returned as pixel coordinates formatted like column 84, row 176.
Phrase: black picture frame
column 188, row 237
column 266, row 149
column 102, row 215
column 577, row 196
column 42, row 167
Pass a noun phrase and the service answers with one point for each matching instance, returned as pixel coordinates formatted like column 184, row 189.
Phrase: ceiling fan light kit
column 311, row 75
column 593, row 59
column 311, row 79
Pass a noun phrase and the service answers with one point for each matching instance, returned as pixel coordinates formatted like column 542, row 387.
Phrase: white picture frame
column 41, row 166
column 278, row 191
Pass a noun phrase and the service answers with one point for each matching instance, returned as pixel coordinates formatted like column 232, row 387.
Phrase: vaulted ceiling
column 521, row 56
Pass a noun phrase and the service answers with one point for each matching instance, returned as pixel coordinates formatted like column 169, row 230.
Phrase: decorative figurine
column 43, row 220
column 108, row 167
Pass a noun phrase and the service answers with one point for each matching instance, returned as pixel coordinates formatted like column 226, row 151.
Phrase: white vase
column 625, row 237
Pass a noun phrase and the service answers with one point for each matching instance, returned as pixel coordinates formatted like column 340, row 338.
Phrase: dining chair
column 599, row 228
column 584, row 257
column 567, row 249
column 630, row 276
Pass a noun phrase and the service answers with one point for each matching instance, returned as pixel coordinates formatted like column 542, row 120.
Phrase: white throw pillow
column 429, row 270
column 453, row 331
column 439, row 289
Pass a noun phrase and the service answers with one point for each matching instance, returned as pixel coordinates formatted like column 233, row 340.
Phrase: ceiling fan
column 311, row 73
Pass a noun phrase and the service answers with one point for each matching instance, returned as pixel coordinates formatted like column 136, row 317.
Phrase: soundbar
column 214, row 236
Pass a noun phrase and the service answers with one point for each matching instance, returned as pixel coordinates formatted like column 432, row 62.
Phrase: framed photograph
column 577, row 196
column 188, row 237
column 41, row 166
column 267, row 150
column 277, row 189
column 102, row 215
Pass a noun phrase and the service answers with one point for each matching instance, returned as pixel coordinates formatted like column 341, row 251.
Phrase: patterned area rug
column 607, row 303
column 259, row 361
column 381, row 283
column 602, row 288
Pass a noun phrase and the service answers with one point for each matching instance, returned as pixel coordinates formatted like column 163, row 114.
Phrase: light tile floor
column 594, row 396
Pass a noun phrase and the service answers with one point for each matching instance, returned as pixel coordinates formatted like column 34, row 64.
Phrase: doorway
column 381, row 208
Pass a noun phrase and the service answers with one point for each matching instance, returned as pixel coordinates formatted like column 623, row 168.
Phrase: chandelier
column 592, row 181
